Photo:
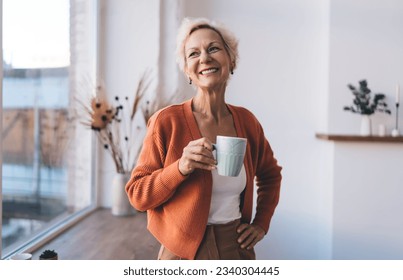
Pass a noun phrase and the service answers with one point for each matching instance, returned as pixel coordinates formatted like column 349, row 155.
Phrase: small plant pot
column 49, row 255
column 366, row 125
column 53, row 258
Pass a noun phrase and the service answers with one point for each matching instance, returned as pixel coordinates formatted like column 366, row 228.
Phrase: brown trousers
column 219, row 243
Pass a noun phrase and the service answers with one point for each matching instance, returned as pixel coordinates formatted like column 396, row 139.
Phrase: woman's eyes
column 209, row 50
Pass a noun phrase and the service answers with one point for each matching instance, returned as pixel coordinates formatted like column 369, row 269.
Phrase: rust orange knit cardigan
column 178, row 206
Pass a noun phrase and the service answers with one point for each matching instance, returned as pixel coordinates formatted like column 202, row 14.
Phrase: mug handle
column 214, row 151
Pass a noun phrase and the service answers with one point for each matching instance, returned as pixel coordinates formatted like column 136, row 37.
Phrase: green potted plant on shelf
column 49, row 255
column 366, row 105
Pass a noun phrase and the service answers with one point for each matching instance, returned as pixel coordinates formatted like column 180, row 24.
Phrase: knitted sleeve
column 268, row 181
column 152, row 182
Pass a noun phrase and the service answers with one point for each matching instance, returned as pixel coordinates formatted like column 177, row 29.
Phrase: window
column 47, row 158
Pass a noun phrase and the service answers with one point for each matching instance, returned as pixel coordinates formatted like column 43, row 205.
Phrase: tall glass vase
column 366, row 129
column 120, row 202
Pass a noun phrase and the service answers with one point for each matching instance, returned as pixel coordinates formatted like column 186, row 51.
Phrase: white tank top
column 225, row 199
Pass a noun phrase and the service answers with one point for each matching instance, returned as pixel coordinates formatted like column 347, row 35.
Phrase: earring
column 190, row 81
column 232, row 72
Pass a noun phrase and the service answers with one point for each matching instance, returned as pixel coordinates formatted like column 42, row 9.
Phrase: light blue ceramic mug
column 230, row 152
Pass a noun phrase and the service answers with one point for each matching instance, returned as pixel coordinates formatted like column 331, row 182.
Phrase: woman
column 192, row 211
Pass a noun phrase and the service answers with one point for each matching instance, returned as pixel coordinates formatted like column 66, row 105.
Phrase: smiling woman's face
column 207, row 61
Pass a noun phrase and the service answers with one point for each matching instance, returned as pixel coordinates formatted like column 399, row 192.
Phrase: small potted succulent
column 49, row 255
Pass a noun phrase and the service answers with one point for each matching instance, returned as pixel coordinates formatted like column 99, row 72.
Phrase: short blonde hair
column 191, row 24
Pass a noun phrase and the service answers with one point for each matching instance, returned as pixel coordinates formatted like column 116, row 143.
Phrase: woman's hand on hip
column 197, row 154
column 249, row 235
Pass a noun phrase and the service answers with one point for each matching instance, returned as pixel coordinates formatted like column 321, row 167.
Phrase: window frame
column 1, row 125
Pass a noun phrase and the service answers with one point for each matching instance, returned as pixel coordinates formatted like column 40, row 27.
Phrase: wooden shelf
column 358, row 138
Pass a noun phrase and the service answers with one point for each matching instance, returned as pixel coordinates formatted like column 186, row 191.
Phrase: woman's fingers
column 249, row 235
column 202, row 142
column 197, row 154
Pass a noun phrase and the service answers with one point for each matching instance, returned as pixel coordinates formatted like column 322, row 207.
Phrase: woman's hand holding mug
column 197, row 154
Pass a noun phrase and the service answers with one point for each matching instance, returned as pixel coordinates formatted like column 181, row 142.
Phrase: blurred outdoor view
column 37, row 122
column 34, row 141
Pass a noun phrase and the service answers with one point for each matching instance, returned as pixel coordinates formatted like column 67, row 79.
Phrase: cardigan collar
column 194, row 129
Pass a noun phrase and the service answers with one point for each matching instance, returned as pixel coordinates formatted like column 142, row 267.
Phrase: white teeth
column 208, row 71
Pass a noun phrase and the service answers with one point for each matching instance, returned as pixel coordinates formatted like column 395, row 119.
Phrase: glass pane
column 39, row 131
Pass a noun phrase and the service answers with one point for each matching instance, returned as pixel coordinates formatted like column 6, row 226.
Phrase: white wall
column 366, row 42
column 368, row 201
column 129, row 44
column 296, row 58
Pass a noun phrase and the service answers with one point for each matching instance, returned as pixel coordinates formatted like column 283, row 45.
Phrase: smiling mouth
column 209, row 71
